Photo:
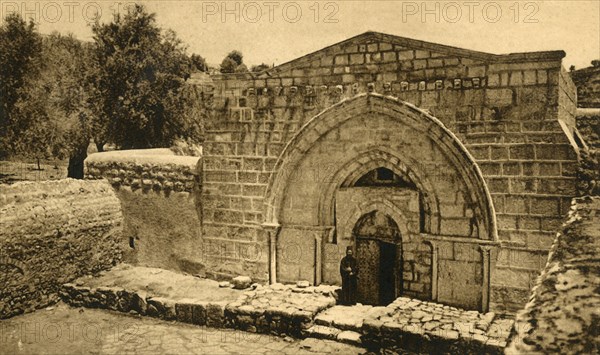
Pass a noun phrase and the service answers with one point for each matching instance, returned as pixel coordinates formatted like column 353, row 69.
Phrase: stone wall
column 159, row 194
column 563, row 314
column 514, row 114
column 51, row 233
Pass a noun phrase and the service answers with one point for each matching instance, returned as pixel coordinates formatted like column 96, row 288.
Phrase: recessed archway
column 378, row 244
column 456, row 156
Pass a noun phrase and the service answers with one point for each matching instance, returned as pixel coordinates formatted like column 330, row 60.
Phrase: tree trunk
column 75, row 169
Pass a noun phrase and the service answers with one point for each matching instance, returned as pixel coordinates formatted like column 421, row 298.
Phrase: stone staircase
column 342, row 323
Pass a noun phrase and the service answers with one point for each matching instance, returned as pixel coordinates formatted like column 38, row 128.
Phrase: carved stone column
column 318, row 258
column 272, row 230
column 485, row 288
column 434, row 269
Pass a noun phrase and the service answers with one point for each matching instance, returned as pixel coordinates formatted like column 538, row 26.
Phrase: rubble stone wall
column 160, row 195
column 51, row 233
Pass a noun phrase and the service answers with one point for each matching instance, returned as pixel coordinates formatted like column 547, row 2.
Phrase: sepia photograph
column 299, row 177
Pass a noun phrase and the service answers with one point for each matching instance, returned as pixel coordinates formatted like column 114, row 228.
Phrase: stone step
column 350, row 337
column 347, row 318
column 332, row 333
column 322, row 332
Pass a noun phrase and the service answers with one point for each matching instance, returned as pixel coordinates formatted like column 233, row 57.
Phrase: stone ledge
column 158, row 156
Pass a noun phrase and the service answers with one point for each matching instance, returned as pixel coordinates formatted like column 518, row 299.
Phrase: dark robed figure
column 349, row 272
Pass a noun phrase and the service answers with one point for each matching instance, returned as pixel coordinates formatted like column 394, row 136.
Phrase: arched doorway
column 379, row 255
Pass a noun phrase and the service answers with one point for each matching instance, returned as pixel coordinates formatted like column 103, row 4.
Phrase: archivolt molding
column 399, row 110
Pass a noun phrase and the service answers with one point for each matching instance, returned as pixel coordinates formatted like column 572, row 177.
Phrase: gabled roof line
column 408, row 42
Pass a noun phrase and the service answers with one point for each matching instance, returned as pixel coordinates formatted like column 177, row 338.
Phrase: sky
column 275, row 32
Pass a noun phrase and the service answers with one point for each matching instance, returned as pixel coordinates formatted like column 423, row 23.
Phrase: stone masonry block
column 406, row 55
column 516, row 204
column 499, row 97
column 555, row 152
column 549, row 206
column 358, row 58
column 467, row 252
column 341, row 60
column 522, row 152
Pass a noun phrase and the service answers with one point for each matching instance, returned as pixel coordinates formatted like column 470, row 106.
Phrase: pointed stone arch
column 406, row 114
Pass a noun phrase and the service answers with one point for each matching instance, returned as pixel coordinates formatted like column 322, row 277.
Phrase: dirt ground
column 15, row 171
column 64, row 330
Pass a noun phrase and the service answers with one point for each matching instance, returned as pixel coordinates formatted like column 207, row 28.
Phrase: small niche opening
column 132, row 242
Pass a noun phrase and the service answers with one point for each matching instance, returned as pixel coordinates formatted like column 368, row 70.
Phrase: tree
column 198, row 63
column 228, row 65
column 242, row 68
column 139, row 76
column 236, row 56
column 233, row 63
column 259, row 68
column 65, row 75
column 43, row 95
column 20, row 47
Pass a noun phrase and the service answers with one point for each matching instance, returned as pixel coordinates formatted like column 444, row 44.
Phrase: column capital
column 270, row 227
column 486, row 248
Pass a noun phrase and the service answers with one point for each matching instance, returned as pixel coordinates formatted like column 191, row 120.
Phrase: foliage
column 236, row 56
column 588, row 173
column 259, row 68
column 198, row 63
column 139, row 77
column 242, row 68
column 234, row 63
column 20, row 47
column 228, row 65
column 46, row 115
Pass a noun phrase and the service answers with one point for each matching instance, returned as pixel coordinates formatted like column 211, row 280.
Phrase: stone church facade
column 447, row 170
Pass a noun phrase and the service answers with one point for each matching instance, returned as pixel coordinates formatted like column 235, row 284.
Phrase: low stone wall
column 160, row 198
column 53, row 232
column 563, row 314
column 277, row 309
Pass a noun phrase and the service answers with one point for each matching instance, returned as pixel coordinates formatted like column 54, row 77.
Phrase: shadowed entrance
column 379, row 255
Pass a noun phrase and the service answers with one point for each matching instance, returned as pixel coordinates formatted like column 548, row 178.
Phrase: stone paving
column 426, row 322
column 305, row 311
column 426, row 326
